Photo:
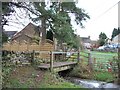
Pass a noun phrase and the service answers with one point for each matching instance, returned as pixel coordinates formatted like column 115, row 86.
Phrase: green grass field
column 99, row 56
column 101, row 60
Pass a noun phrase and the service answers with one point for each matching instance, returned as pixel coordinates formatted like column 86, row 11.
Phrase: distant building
column 116, row 39
column 94, row 44
column 86, row 42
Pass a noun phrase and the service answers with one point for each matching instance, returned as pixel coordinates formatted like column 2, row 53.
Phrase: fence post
column 51, row 61
column 78, row 58
column 33, row 57
column 90, row 63
column 94, row 60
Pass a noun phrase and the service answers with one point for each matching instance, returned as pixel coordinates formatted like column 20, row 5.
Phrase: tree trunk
column 43, row 24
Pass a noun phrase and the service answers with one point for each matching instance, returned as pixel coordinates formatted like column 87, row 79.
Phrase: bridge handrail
column 42, row 52
column 52, row 55
column 54, row 52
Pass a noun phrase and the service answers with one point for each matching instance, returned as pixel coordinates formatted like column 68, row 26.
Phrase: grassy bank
column 83, row 71
column 104, row 76
column 100, row 66
column 54, row 81
column 28, row 77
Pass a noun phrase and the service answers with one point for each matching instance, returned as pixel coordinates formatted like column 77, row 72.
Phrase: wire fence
column 101, row 61
column 105, row 62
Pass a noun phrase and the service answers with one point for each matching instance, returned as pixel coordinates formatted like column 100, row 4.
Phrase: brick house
column 29, row 38
column 27, row 34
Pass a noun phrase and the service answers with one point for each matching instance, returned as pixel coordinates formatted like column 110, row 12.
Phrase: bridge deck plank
column 56, row 64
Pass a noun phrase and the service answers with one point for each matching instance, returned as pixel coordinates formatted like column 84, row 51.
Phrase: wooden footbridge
column 56, row 66
column 54, row 61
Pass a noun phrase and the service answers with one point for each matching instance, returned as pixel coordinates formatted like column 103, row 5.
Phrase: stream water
column 94, row 84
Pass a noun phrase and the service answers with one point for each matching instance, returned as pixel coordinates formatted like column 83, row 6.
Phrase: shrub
column 81, row 71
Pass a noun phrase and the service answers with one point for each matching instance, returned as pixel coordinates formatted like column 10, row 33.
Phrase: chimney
column 89, row 37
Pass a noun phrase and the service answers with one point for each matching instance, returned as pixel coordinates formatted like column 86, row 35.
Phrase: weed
column 103, row 76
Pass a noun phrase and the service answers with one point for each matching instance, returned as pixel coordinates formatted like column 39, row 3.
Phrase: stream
column 86, row 83
column 93, row 83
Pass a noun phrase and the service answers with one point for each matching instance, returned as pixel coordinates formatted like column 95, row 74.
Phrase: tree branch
column 21, row 6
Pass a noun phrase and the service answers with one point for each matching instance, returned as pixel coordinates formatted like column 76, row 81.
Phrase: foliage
column 81, row 71
column 117, row 60
column 61, row 24
column 49, row 35
column 7, row 10
column 102, row 39
column 4, row 37
column 115, row 32
column 77, row 42
column 102, row 36
column 6, row 70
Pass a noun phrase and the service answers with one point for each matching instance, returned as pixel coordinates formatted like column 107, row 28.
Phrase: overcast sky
column 104, row 17
column 101, row 21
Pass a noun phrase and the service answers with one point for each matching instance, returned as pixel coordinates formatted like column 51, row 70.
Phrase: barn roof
column 19, row 33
